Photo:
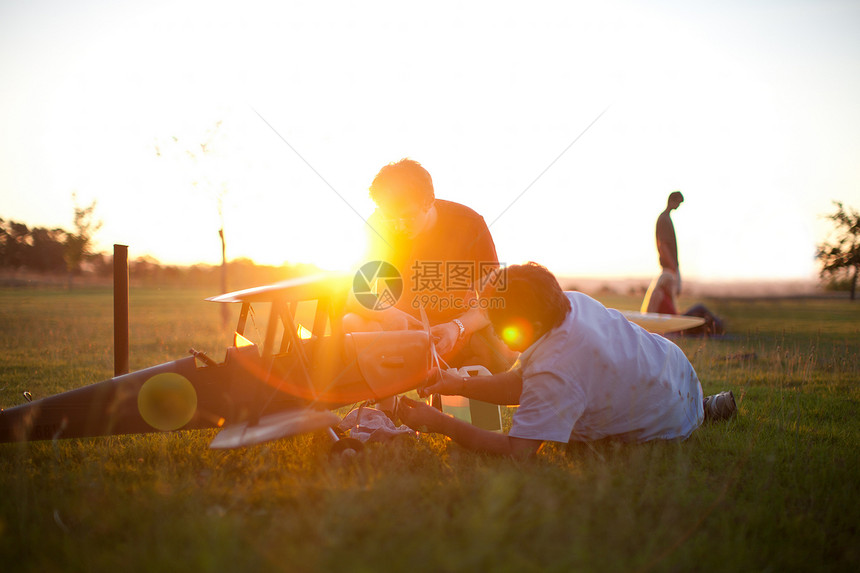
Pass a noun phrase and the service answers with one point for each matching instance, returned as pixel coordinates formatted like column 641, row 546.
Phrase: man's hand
column 445, row 336
column 442, row 382
column 419, row 416
column 424, row 418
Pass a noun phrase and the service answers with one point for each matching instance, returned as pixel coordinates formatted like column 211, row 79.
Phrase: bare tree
column 842, row 254
column 79, row 242
column 196, row 156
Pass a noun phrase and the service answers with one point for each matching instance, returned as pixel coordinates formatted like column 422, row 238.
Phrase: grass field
column 776, row 489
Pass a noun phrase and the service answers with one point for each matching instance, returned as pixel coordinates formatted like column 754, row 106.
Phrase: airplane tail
column 160, row 398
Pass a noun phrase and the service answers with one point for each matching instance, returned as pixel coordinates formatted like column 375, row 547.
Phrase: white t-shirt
column 598, row 375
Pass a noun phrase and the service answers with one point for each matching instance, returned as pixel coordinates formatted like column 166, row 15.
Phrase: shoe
column 720, row 406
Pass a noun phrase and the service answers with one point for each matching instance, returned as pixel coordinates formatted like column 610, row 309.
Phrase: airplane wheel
column 346, row 448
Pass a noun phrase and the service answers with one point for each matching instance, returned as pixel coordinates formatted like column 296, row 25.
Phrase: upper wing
column 301, row 288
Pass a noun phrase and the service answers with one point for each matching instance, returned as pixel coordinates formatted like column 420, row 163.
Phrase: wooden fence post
column 120, row 309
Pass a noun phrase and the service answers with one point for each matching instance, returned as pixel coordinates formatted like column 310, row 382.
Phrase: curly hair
column 405, row 180
column 531, row 293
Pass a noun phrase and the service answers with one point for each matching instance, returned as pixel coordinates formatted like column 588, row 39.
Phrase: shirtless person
column 667, row 244
column 664, row 290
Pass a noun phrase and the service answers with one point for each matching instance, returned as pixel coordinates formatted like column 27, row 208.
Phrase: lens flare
column 167, row 401
column 517, row 335
column 512, row 334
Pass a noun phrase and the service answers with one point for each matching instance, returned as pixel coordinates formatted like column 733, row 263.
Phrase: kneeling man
column 585, row 373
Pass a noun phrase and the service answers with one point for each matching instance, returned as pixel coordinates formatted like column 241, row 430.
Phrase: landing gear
column 344, row 447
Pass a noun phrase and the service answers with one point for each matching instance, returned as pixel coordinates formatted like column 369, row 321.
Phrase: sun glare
column 310, row 231
column 325, row 249
column 512, row 334
column 517, row 334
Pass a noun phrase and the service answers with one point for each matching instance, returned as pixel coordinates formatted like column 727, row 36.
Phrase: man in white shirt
column 585, row 373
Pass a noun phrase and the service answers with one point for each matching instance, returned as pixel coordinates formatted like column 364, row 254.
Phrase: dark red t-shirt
column 441, row 265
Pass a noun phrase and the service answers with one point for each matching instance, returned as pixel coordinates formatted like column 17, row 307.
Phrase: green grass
column 773, row 490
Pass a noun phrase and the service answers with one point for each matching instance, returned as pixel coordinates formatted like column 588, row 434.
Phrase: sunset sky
column 749, row 108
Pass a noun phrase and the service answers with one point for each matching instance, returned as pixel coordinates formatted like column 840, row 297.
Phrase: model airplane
column 285, row 388
column 288, row 387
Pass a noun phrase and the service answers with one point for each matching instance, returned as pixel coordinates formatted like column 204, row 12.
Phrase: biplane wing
column 273, row 427
column 305, row 367
column 662, row 323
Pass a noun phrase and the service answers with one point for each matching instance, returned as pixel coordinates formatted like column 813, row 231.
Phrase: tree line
column 50, row 250
column 60, row 252
column 39, row 249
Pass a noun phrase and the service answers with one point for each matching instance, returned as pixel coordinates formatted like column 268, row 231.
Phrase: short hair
column 529, row 292
column 405, row 180
column 676, row 195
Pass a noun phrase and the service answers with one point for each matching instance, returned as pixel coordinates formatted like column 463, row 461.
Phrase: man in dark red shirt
column 442, row 250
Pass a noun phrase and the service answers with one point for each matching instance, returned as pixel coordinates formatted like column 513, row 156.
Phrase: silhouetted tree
column 79, row 241
column 5, row 239
column 145, row 269
column 102, row 265
column 16, row 244
column 47, row 251
column 842, row 255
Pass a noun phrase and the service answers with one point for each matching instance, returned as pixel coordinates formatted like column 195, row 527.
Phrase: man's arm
column 447, row 333
column 504, row 388
column 421, row 417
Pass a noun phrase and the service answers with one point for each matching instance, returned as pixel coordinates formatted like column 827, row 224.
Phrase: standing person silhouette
column 664, row 290
column 667, row 244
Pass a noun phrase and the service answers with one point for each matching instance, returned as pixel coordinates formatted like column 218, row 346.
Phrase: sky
column 565, row 124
